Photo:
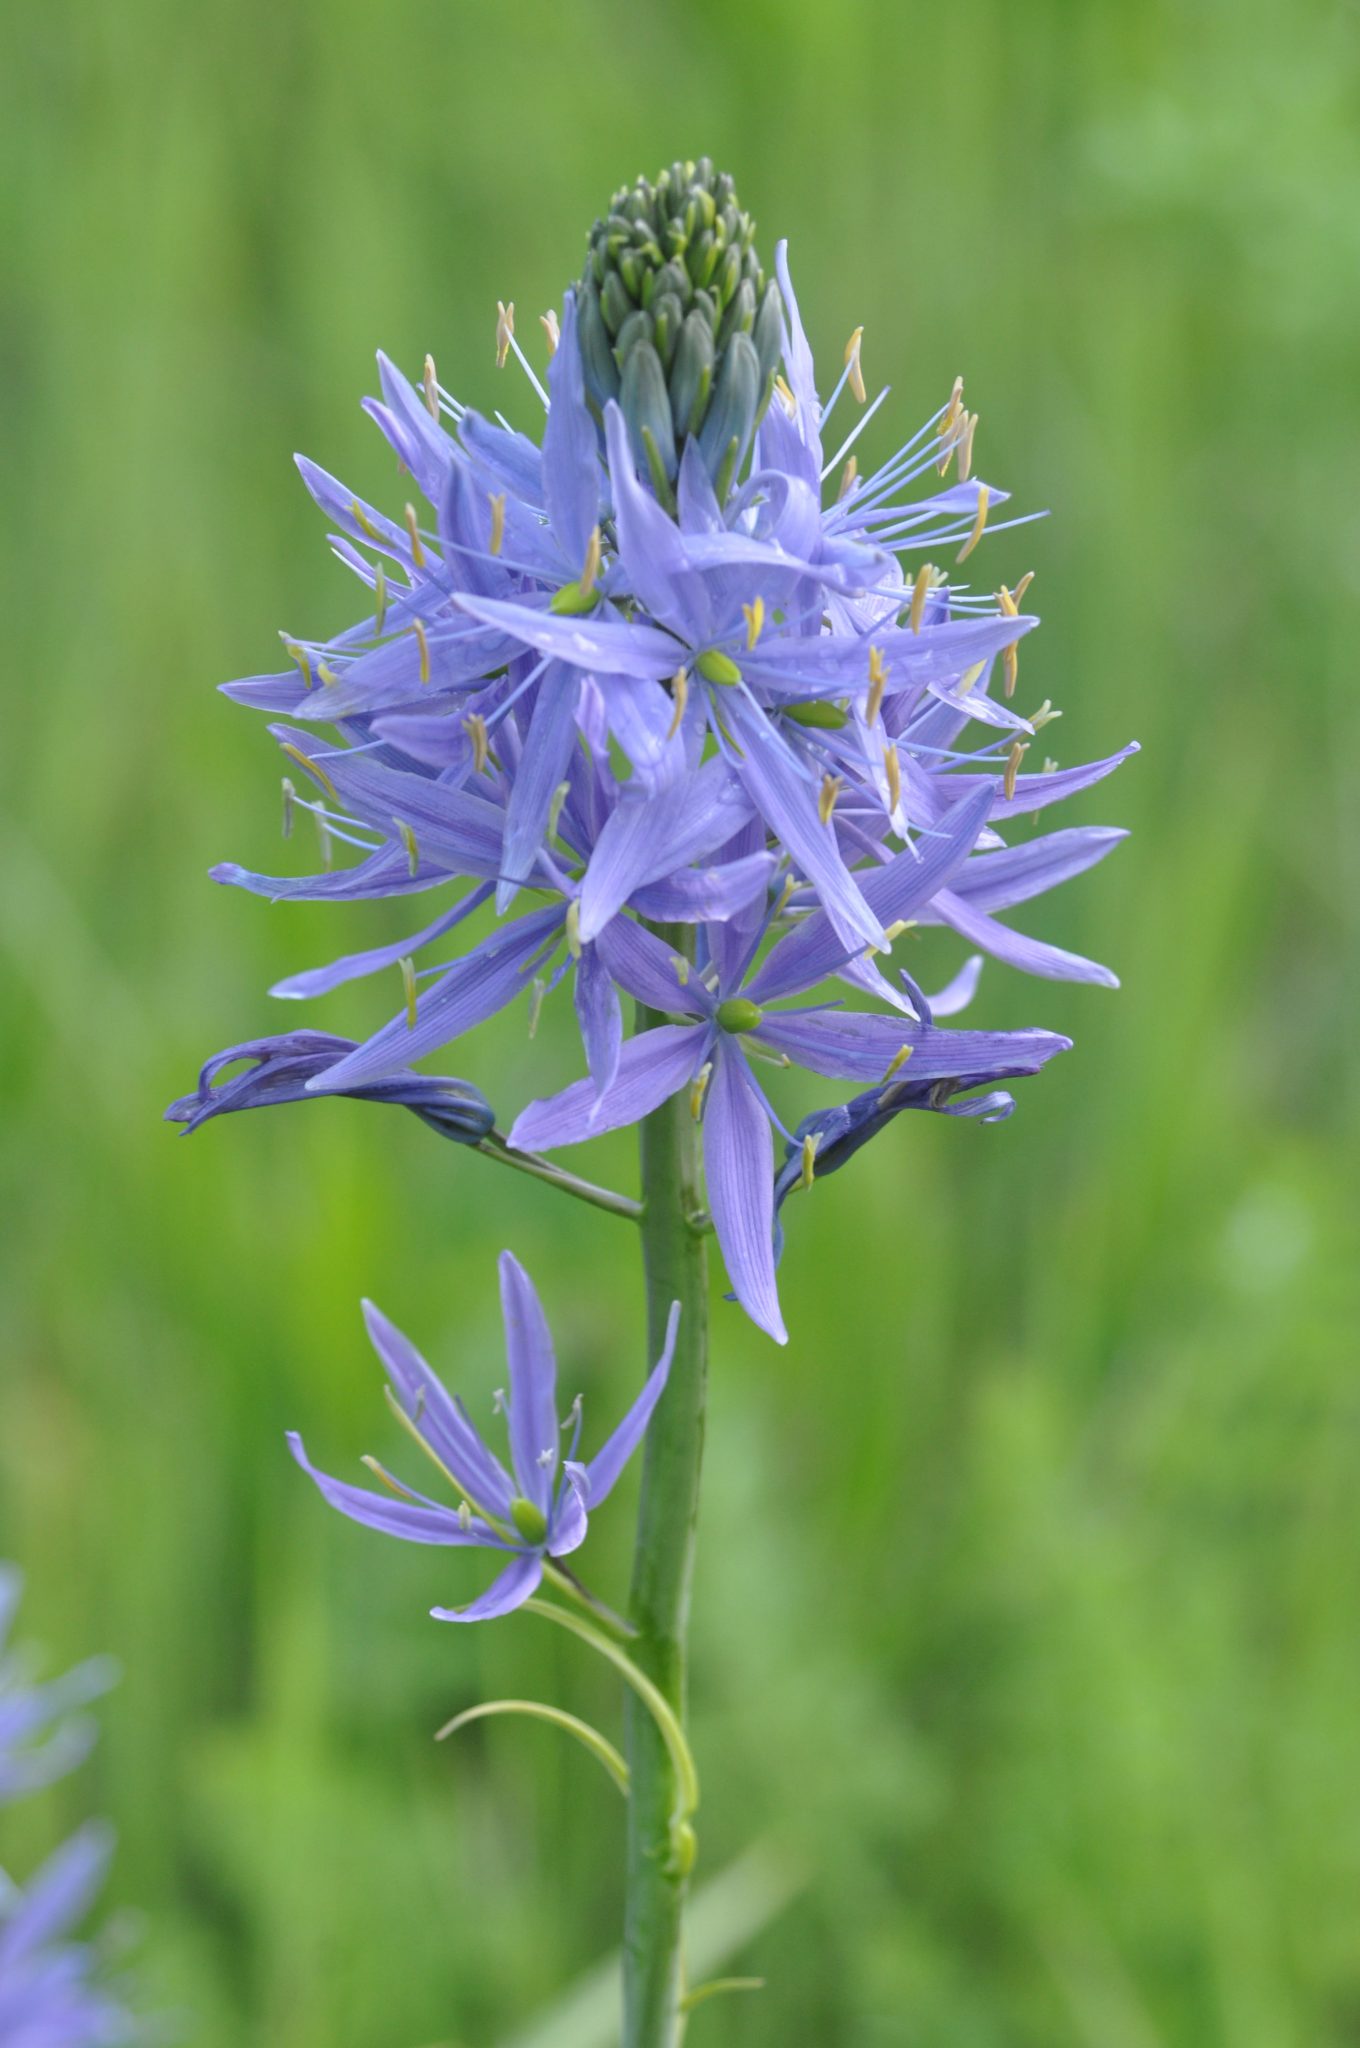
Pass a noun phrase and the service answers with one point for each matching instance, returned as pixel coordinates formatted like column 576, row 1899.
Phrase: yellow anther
column 384, row 1477
column 1010, row 666
column 826, row 801
column 680, row 695
column 573, row 923
column 964, row 444
column 806, row 1175
column 408, row 840
column 894, row 931
column 505, row 327
column 312, row 767
column 417, row 546
column 920, row 591
column 696, row 1093
column 1019, row 748
column 681, row 966
column 289, row 794
column 980, row 520
column 328, row 675
column 324, row 841
column 475, row 727
column 754, row 615
column 852, row 364
column 878, row 683
column 591, row 571
column 379, row 599
column 1044, row 715
column 408, row 982
column 559, row 797
column 548, row 322
column 968, row 678
column 430, row 381
column 896, row 1063
column 1050, row 765
column 362, row 519
column 1009, row 608
column 849, row 478
column 952, row 410
column 423, row 642
column 894, row 769
column 1023, row 585
column 786, row 398
column 497, row 523
column 784, row 895
column 302, row 658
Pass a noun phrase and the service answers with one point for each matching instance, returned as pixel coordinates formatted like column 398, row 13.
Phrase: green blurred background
column 1027, row 1614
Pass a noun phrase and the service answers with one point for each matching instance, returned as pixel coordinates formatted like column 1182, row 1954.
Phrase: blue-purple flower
column 674, row 665
column 528, row 1513
column 52, row 1988
column 283, row 1066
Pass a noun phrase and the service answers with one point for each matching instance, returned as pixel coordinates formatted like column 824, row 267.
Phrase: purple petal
column 648, row 837
column 1032, row 956
column 957, row 994
column 645, row 966
column 475, row 988
column 1036, row 792
column 852, row 1046
column 407, row 1519
column 600, row 1016
column 709, row 895
column 533, row 1383
column 998, row 881
column 539, row 771
column 652, row 551
column 603, row 1471
column 609, row 644
column 787, row 799
column 56, row 1899
column 739, row 1171
column 652, row 1067
column 898, row 889
column 319, row 981
column 571, row 462
column 516, row 1584
column 438, row 1417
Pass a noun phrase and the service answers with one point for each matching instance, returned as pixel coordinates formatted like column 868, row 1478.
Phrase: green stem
column 675, row 1266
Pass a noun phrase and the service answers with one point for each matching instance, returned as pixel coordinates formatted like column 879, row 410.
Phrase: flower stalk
column 676, row 1269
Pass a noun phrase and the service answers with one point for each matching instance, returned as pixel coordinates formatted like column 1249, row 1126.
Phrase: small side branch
column 495, row 1147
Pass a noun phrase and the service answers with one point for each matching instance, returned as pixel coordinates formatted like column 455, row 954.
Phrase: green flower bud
column 672, row 271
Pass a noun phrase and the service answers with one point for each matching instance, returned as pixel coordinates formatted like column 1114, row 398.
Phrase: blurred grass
column 1027, row 1611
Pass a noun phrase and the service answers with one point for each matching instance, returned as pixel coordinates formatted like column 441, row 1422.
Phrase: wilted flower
column 531, row 1514
column 286, row 1064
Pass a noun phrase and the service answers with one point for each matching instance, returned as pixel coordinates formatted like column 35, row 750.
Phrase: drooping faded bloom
column 674, row 677
column 529, row 1514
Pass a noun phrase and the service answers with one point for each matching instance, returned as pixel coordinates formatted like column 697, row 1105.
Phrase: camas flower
column 52, row 1991
column 528, row 1515
column 654, row 672
column 52, row 1988
column 43, row 1733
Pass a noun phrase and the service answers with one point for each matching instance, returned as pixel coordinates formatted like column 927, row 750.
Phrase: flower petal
column 571, row 462
column 739, row 1171
column 438, row 1417
column 394, row 1517
column 516, row 1584
column 533, row 1383
column 652, row 1067
column 602, row 1473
